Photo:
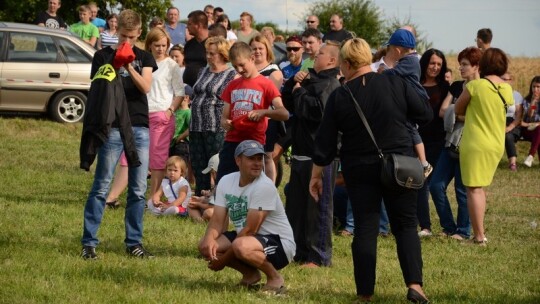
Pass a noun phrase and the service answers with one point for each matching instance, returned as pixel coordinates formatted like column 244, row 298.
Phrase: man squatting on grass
column 263, row 238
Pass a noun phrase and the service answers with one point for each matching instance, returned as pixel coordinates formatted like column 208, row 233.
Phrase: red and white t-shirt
column 245, row 95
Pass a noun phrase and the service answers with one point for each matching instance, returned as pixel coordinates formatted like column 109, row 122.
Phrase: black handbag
column 397, row 171
column 453, row 151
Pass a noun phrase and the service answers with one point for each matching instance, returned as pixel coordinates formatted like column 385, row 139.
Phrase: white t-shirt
column 261, row 194
column 172, row 193
column 166, row 83
column 518, row 99
column 375, row 66
column 231, row 36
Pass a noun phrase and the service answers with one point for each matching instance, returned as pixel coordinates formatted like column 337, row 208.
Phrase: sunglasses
column 310, row 21
column 295, row 48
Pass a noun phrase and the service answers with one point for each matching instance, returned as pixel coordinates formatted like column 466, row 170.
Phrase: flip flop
column 274, row 291
column 250, row 286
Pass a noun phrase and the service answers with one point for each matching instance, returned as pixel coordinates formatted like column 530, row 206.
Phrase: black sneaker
column 138, row 251
column 89, row 253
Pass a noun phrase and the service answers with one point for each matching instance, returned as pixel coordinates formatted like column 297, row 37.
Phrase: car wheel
column 68, row 106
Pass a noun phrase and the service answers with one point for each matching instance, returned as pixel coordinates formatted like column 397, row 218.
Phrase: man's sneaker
column 88, row 253
column 138, row 251
column 427, row 170
column 528, row 161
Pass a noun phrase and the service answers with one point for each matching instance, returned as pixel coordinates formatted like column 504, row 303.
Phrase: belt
column 300, row 157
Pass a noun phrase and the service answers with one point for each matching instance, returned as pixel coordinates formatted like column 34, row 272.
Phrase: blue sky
column 450, row 25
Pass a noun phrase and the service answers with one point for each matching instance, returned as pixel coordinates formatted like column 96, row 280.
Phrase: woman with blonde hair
column 264, row 58
column 205, row 132
column 388, row 103
column 245, row 33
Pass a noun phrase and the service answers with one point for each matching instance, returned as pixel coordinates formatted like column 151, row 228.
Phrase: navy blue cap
column 404, row 38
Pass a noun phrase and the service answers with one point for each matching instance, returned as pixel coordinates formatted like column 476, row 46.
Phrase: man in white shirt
column 263, row 238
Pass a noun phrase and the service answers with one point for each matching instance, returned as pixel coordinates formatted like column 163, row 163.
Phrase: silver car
column 44, row 70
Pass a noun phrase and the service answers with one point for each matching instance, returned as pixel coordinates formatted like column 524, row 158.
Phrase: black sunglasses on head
column 293, row 48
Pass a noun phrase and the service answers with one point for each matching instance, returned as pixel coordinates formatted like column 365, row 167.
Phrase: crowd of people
column 212, row 108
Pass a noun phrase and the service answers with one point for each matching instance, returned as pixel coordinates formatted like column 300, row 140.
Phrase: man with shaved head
column 337, row 31
column 311, row 221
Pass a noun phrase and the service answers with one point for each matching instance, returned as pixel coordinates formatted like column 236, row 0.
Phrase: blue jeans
column 383, row 221
column 447, row 169
column 107, row 159
column 349, row 222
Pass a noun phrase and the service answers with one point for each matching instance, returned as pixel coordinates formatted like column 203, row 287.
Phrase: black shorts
column 273, row 249
column 180, row 149
column 272, row 134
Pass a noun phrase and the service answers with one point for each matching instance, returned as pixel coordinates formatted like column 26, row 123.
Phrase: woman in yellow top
column 482, row 142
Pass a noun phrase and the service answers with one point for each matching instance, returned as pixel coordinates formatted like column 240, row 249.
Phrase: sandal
column 274, row 291
column 482, row 243
column 250, row 286
column 473, row 241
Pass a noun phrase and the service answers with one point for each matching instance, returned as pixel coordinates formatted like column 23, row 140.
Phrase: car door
column 2, row 52
column 31, row 73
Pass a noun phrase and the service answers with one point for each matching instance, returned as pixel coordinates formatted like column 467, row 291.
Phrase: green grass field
column 43, row 192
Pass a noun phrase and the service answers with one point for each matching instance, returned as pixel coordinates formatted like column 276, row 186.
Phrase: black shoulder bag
column 397, row 171
column 500, row 95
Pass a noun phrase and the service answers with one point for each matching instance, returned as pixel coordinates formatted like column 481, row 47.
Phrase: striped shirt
column 107, row 39
column 206, row 104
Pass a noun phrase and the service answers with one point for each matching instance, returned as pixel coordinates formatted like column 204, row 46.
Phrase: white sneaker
column 425, row 233
column 528, row 161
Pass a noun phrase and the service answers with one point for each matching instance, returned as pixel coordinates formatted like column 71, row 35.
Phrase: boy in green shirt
column 85, row 29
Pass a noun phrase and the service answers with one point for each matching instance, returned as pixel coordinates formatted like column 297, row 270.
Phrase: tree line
column 361, row 17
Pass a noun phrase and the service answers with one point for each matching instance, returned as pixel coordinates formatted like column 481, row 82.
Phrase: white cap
column 213, row 164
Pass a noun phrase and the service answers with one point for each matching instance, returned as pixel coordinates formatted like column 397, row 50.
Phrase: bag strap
column 500, row 95
column 364, row 120
column 172, row 189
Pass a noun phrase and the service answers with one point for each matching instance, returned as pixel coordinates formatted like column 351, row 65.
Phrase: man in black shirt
column 337, row 32
column 194, row 50
column 49, row 18
column 311, row 222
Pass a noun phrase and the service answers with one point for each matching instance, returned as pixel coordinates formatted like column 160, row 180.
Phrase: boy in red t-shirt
column 247, row 107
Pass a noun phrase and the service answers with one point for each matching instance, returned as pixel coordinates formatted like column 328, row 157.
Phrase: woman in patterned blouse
column 205, row 132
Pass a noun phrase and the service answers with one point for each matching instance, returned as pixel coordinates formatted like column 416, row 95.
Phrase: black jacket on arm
column 106, row 105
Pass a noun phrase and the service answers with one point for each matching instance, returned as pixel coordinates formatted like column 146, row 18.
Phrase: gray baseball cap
column 249, row 148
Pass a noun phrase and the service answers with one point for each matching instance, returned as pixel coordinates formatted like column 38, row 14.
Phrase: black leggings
column 202, row 146
column 511, row 138
column 366, row 192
